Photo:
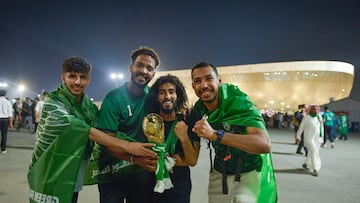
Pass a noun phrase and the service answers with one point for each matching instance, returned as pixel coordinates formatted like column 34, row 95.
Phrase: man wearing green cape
column 63, row 137
column 243, row 166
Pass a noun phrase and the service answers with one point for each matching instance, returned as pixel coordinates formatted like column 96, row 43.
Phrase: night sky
column 35, row 36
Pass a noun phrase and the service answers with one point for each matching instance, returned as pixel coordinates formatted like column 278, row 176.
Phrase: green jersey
column 329, row 118
column 343, row 124
column 122, row 114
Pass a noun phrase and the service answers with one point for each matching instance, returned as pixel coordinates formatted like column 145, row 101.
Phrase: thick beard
column 169, row 111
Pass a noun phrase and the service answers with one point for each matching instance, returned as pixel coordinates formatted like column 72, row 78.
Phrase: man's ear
column 62, row 77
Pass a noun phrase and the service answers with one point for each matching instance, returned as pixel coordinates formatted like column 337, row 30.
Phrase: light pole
column 116, row 77
column 21, row 89
column 3, row 84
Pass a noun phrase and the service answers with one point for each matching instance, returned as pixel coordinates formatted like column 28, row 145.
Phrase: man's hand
column 181, row 130
column 141, row 149
column 203, row 129
column 147, row 163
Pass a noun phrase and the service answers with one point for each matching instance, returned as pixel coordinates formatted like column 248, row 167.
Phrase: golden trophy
column 154, row 130
column 153, row 127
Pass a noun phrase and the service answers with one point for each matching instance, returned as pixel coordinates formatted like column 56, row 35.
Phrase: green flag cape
column 235, row 108
column 62, row 138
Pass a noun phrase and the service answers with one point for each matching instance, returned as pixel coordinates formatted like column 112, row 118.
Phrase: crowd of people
column 79, row 144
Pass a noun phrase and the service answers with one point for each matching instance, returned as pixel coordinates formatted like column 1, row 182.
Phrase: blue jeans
column 327, row 132
column 135, row 188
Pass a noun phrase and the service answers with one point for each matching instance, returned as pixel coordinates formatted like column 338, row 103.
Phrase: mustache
column 168, row 100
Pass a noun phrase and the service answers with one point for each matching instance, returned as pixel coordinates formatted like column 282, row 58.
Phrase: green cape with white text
column 61, row 146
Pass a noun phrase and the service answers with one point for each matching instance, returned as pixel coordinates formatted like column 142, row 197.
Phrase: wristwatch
column 220, row 135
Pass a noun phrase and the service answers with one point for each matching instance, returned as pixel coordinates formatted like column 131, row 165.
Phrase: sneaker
column 323, row 145
column 3, row 152
column 332, row 145
column 299, row 152
column 315, row 173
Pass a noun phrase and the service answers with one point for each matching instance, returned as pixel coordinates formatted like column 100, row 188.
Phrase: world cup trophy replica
column 154, row 130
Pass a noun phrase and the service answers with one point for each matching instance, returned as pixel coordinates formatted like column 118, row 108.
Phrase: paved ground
column 338, row 180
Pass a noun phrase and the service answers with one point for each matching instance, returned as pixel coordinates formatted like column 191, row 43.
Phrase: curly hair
column 77, row 64
column 146, row 51
column 151, row 103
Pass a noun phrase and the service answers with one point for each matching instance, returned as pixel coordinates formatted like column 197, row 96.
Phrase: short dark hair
column 2, row 92
column 151, row 101
column 146, row 51
column 204, row 64
column 77, row 64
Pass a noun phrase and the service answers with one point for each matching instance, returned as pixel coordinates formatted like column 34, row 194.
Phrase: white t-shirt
column 5, row 108
column 39, row 107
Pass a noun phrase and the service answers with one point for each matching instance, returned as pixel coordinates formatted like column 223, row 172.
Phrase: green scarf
column 62, row 140
column 235, row 108
column 164, row 163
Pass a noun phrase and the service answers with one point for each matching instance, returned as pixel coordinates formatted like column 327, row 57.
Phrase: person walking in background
column 243, row 165
column 38, row 109
column 328, row 117
column 167, row 97
column 32, row 107
column 63, row 145
column 312, row 129
column 16, row 110
column 26, row 115
column 299, row 115
column 335, row 128
column 343, row 125
column 6, row 116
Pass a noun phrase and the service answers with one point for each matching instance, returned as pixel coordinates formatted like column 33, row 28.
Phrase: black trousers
column 4, row 124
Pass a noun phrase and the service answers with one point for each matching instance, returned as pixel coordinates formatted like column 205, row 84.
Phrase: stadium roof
column 282, row 86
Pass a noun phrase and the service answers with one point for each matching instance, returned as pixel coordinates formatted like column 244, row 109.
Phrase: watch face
column 220, row 135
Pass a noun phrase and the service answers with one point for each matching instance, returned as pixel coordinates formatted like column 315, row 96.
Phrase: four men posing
column 223, row 115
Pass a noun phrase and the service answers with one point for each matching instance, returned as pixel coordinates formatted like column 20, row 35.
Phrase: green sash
column 236, row 109
column 62, row 139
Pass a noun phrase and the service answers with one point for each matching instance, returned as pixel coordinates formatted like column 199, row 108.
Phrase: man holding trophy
column 121, row 115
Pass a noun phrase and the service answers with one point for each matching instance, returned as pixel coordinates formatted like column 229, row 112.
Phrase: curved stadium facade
column 282, row 86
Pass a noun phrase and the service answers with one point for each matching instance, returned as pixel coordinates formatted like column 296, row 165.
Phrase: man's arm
column 191, row 152
column 10, row 122
column 255, row 141
column 119, row 146
column 136, row 152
